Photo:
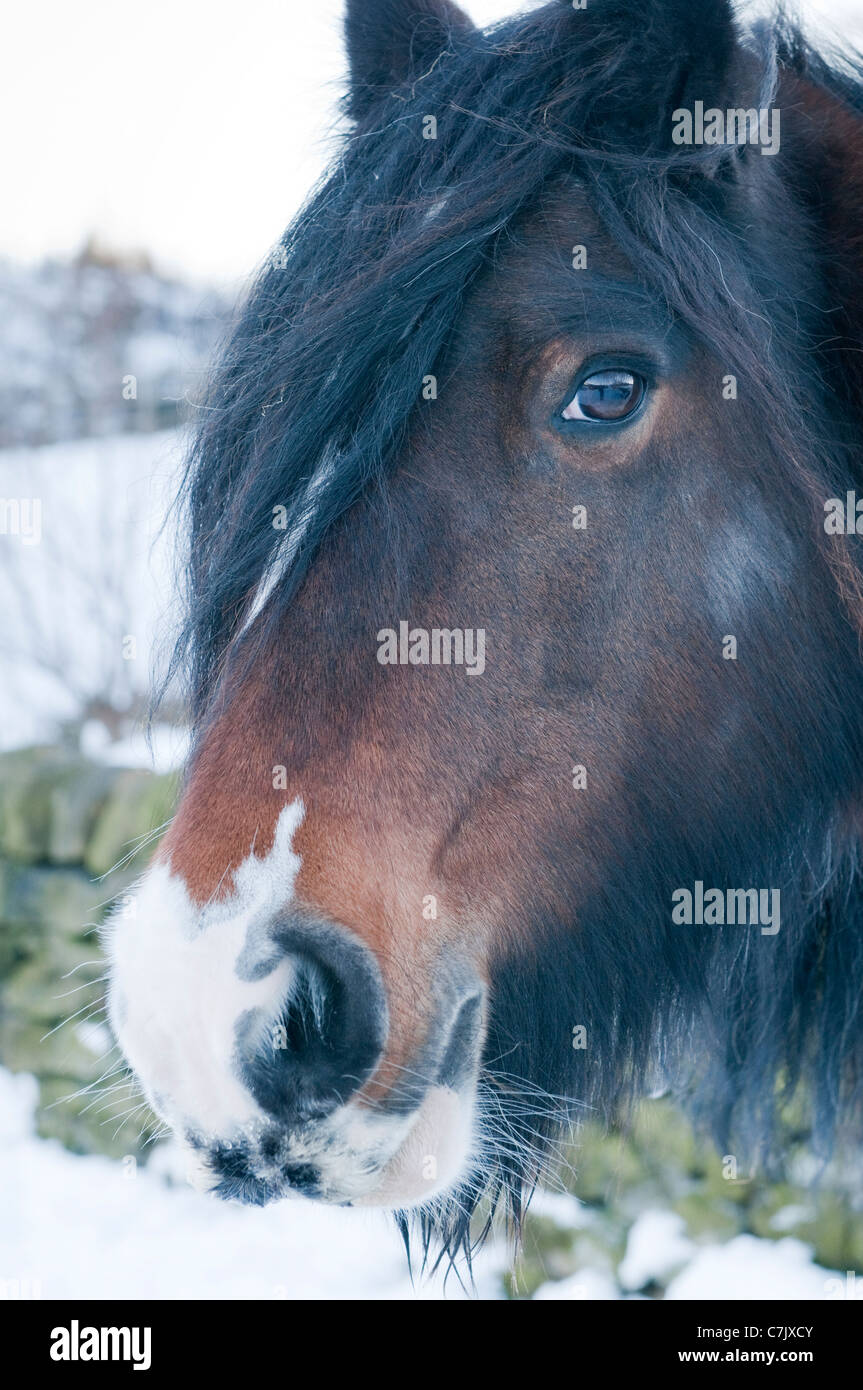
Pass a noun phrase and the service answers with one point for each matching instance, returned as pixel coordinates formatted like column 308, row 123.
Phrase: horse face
column 547, row 673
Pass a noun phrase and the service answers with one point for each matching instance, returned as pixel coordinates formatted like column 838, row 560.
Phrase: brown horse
column 525, row 672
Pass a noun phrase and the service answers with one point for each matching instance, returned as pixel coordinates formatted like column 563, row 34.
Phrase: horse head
column 512, row 617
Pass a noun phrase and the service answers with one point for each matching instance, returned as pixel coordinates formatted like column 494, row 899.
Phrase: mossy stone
column 138, row 805
column 27, row 1045
column 705, row 1217
column 61, row 899
column 25, row 802
column 78, row 794
column 46, row 989
column 93, row 1122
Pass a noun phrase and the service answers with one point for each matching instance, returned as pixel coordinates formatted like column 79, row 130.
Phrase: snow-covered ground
column 87, row 587
column 97, row 1228
column 92, row 1227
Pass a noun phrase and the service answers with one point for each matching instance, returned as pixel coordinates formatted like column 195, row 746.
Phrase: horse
column 560, row 367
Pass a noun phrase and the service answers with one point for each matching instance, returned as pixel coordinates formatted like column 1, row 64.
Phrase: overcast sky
column 189, row 128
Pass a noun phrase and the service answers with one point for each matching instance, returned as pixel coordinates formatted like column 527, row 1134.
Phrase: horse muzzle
column 261, row 1038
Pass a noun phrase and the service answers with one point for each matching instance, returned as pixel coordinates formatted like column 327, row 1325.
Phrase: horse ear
column 679, row 52
column 389, row 41
column 824, row 151
column 701, row 45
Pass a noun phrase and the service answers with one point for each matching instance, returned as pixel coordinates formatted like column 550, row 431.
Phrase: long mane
column 315, row 395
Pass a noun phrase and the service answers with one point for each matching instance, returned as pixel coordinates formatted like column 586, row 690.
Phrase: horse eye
column 609, row 395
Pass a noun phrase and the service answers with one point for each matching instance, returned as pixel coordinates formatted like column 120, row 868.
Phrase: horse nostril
column 330, row 1033
column 302, row 1177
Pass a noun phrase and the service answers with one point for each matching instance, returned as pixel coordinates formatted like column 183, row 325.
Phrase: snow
column 92, row 1227
column 585, row 1286
column 751, row 1269
column 163, row 748
column 90, row 609
column 788, row 1217
column 746, row 1268
column 563, row 1208
column 657, row 1246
